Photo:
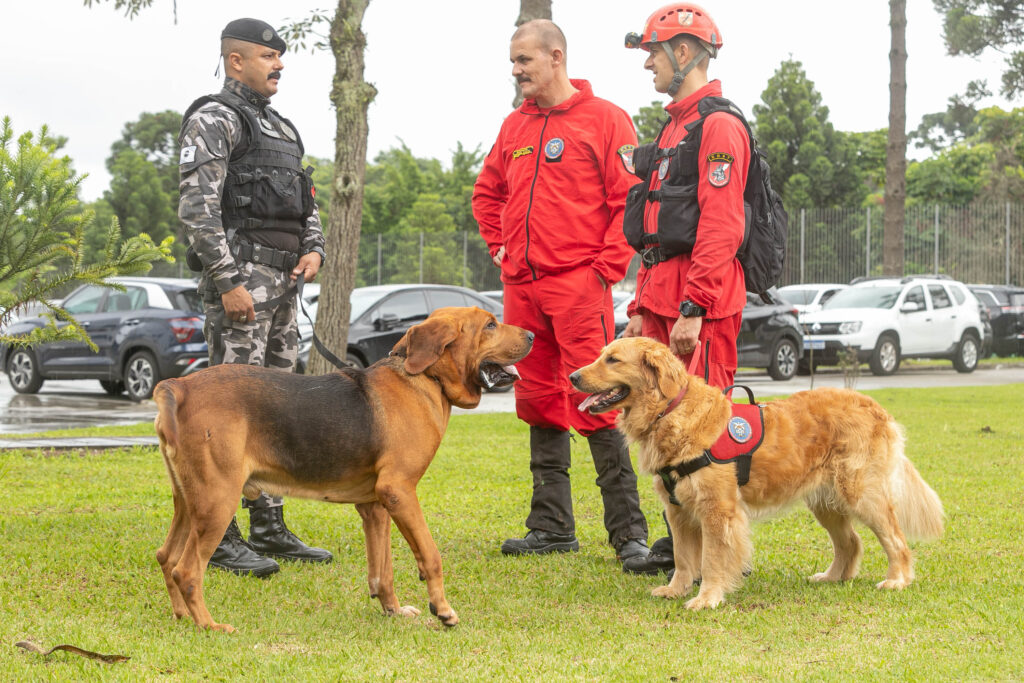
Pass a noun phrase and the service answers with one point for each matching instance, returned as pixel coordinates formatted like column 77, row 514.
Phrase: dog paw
column 223, row 628
column 408, row 611
column 667, row 592
column 704, row 602
column 448, row 620
column 893, row 584
column 824, row 577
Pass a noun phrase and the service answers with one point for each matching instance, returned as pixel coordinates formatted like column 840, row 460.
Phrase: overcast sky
column 441, row 67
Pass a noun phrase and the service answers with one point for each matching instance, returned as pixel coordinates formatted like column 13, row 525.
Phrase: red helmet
column 673, row 20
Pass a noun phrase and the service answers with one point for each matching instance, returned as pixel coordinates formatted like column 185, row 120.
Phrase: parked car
column 496, row 294
column 888, row 319
column 1005, row 307
column 381, row 314
column 770, row 336
column 150, row 331
column 808, row 298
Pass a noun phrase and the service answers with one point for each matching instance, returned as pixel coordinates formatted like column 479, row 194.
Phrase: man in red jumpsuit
column 549, row 202
column 693, row 301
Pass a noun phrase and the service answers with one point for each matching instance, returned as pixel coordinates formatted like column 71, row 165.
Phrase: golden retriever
column 838, row 450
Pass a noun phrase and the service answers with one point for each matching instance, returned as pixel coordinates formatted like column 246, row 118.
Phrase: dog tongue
column 588, row 401
column 511, row 369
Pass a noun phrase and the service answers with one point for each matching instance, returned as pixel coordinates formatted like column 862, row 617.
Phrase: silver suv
column 887, row 319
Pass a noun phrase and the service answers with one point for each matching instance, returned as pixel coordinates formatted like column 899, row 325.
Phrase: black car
column 1005, row 306
column 382, row 314
column 770, row 336
column 150, row 331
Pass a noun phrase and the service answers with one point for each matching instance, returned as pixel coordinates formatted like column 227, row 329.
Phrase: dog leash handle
column 321, row 349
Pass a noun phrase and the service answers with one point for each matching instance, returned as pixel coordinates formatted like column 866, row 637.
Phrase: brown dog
column 355, row 436
column 838, row 450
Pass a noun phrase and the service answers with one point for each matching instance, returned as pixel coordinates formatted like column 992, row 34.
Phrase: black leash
column 218, row 325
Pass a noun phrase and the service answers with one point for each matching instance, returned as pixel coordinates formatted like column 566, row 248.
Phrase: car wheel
column 885, row 359
column 23, row 371
column 782, row 365
column 112, row 387
column 965, row 359
column 141, row 375
column 354, row 361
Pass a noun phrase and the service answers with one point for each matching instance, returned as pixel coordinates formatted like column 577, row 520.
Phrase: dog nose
column 574, row 377
column 530, row 336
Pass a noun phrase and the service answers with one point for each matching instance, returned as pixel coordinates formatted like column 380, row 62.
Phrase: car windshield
column 865, row 297
column 798, row 295
column 361, row 300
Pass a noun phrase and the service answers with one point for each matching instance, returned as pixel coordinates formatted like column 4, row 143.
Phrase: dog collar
column 675, row 402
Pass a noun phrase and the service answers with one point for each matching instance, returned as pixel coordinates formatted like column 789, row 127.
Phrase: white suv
column 888, row 319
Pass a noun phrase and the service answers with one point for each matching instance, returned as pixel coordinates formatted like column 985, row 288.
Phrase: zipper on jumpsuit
column 533, row 184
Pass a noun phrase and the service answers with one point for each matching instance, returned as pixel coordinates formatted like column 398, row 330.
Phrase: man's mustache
column 274, row 74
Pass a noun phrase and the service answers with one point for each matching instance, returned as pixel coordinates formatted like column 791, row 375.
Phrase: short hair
column 546, row 31
column 229, row 45
column 692, row 42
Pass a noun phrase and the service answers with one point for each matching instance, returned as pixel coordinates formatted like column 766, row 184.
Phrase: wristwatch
column 688, row 309
column 318, row 250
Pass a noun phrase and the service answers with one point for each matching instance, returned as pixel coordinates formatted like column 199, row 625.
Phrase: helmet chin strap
column 680, row 74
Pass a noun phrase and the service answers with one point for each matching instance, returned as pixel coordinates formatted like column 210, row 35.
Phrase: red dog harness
column 742, row 436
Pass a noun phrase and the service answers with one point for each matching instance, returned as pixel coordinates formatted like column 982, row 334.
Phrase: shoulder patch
column 188, row 155
column 719, row 169
column 626, row 154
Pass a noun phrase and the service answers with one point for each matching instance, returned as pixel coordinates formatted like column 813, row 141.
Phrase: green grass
column 78, row 535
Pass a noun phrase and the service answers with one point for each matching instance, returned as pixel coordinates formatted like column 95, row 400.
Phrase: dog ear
column 665, row 368
column 423, row 344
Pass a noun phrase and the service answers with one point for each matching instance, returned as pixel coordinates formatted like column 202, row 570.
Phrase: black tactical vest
column 266, row 188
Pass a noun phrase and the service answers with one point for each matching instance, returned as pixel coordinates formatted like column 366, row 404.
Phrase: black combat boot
column 551, row 523
column 623, row 518
column 235, row 555
column 269, row 536
column 660, row 559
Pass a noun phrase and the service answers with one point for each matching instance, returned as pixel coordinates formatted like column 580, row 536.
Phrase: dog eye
column 611, row 359
column 492, row 325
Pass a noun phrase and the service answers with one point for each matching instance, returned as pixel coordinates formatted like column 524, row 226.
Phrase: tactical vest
column 266, row 187
column 679, row 212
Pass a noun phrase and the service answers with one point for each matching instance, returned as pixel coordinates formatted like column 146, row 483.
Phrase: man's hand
column 499, row 256
column 308, row 266
column 682, row 340
column 633, row 326
column 238, row 305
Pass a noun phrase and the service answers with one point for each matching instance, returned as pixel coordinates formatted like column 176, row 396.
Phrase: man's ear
column 423, row 344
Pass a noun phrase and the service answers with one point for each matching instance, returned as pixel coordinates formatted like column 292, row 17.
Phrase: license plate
column 814, row 343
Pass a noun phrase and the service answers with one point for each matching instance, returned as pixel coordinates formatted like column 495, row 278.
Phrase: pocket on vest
column 678, row 216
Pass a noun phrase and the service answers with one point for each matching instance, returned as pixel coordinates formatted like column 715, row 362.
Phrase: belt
column 275, row 258
column 652, row 256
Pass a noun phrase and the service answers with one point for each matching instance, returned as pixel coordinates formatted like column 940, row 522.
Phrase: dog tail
column 167, row 397
column 918, row 507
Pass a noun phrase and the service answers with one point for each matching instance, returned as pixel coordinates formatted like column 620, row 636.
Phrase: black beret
column 254, row 31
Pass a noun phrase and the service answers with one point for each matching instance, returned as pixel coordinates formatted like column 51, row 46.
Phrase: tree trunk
column 351, row 96
column 528, row 11
column 896, row 149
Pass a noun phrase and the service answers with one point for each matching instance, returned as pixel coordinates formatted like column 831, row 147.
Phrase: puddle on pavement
column 26, row 413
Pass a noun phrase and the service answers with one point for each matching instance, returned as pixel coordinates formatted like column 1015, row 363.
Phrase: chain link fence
column 979, row 243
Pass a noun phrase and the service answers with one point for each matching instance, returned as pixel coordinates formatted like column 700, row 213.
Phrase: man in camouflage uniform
column 248, row 210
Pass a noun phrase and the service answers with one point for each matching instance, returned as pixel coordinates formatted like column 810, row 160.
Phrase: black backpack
column 764, row 240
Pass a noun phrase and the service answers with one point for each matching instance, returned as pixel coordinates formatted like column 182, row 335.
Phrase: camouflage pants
column 271, row 340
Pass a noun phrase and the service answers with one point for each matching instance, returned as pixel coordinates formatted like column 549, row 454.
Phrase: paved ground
column 68, row 404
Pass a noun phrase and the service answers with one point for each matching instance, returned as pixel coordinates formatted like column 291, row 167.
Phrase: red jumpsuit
column 552, row 191
column 710, row 276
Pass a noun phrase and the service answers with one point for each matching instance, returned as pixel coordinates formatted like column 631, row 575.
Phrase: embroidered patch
column 719, row 169
column 663, row 168
column 739, row 430
column 522, row 152
column 188, row 155
column 626, row 154
column 553, row 149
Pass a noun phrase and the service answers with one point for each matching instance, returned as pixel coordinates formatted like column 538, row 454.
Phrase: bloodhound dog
column 351, row 436
column 836, row 449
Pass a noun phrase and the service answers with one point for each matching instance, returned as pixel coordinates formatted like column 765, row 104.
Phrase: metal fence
column 982, row 243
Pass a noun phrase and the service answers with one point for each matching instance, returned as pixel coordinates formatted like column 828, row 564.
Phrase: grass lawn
column 79, row 531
